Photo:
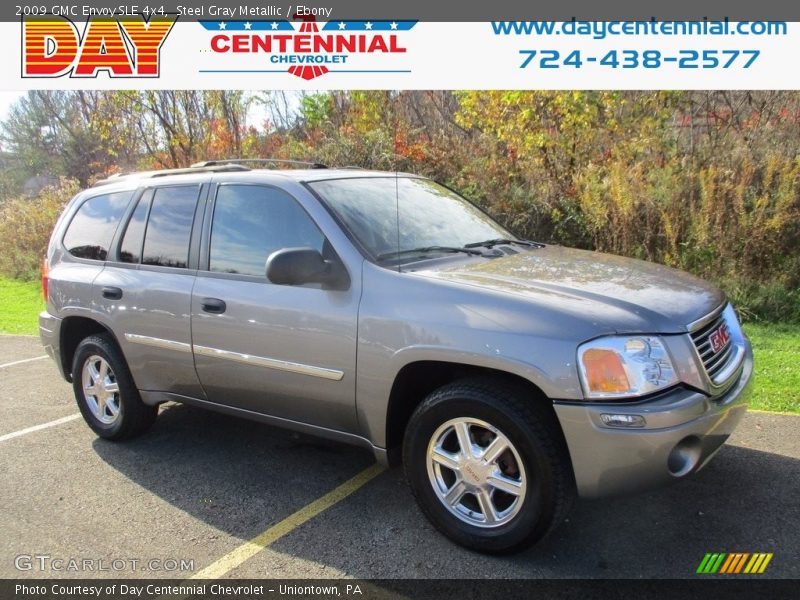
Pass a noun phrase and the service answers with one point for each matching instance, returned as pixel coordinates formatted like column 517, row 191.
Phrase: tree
column 76, row 134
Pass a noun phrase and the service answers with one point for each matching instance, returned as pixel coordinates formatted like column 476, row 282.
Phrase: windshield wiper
column 498, row 241
column 426, row 249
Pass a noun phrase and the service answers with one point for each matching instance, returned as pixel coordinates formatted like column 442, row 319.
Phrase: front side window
column 169, row 228
column 91, row 229
column 396, row 214
column 251, row 222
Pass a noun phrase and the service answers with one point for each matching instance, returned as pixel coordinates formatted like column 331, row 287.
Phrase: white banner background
column 443, row 56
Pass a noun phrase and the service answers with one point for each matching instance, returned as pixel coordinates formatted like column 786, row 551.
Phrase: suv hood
column 621, row 295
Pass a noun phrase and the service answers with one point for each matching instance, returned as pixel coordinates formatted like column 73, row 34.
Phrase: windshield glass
column 429, row 214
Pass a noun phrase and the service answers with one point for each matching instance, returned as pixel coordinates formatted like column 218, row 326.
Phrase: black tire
column 134, row 417
column 529, row 423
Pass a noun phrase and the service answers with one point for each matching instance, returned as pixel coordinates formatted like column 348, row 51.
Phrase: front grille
column 714, row 362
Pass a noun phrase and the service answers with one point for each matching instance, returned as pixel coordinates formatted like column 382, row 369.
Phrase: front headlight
column 620, row 367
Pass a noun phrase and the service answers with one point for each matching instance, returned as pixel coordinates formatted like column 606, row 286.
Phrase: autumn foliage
column 704, row 181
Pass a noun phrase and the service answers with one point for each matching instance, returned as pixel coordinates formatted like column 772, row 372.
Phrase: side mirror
column 297, row 266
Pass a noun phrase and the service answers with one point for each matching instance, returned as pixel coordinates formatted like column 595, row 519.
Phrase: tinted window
column 130, row 250
column 252, row 222
column 90, row 232
column 169, row 228
column 422, row 213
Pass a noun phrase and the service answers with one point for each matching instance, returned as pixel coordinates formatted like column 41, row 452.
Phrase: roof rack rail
column 245, row 161
column 225, row 164
column 167, row 172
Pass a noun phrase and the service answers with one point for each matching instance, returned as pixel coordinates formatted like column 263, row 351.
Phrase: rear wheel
column 488, row 465
column 105, row 392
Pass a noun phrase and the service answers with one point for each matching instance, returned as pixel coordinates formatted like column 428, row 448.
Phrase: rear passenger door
column 146, row 288
column 284, row 351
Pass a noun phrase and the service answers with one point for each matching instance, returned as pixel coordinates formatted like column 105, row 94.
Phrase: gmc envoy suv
column 384, row 310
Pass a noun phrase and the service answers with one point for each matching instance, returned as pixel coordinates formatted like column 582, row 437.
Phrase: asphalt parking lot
column 200, row 485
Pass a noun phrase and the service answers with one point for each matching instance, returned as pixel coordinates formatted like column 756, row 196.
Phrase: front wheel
column 105, row 392
column 488, row 465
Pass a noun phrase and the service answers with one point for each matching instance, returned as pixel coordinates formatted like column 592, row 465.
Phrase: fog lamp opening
column 685, row 456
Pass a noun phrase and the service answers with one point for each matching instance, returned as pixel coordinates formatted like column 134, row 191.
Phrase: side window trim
column 204, row 250
column 195, row 241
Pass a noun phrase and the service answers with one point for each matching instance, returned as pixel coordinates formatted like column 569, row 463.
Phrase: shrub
column 25, row 227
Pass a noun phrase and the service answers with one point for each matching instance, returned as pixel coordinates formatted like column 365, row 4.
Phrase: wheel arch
column 416, row 380
column 75, row 329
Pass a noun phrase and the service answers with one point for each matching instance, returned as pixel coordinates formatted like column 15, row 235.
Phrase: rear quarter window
column 92, row 227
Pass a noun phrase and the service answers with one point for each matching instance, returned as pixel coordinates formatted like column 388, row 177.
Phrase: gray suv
column 384, row 310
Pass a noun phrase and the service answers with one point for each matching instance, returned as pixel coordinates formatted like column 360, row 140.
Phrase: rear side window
column 169, row 228
column 251, row 222
column 91, row 229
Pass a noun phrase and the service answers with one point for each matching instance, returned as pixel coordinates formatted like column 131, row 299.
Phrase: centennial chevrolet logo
column 309, row 51
column 124, row 47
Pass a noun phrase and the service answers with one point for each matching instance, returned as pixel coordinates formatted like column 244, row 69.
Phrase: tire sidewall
column 90, row 347
column 534, row 518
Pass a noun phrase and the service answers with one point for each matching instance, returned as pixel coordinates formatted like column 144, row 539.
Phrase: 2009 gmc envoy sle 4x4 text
column 384, row 310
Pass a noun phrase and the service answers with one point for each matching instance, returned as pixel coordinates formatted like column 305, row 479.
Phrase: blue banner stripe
column 368, row 25
column 283, row 25
column 247, row 25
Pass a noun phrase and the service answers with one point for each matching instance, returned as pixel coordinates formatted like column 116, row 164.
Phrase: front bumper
column 683, row 430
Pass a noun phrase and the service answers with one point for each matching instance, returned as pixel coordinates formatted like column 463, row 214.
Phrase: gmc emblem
column 719, row 338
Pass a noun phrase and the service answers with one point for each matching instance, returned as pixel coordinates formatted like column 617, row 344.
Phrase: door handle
column 112, row 293
column 213, row 305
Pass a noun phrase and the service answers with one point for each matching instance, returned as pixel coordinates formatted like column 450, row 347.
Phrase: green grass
column 20, row 305
column 776, row 347
column 777, row 355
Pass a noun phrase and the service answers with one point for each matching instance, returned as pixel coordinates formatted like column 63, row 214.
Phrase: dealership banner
column 297, row 47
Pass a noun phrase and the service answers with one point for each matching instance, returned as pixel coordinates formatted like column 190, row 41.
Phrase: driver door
column 285, row 351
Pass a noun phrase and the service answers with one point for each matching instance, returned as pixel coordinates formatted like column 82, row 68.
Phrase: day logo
column 54, row 46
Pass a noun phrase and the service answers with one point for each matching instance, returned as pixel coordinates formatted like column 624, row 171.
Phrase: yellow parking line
column 249, row 549
column 772, row 412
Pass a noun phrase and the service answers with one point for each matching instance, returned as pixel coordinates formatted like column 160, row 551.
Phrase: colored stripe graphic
column 758, row 563
column 734, row 563
column 729, row 561
column 711, row 562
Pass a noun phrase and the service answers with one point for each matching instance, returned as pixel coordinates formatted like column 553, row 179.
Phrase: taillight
column 45, row 273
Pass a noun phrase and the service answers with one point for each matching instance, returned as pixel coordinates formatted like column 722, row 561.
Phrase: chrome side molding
column 147, row 340
column 248, row 359
column 271, row 363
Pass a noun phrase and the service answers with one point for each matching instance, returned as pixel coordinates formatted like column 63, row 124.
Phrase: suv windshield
column 431, row 218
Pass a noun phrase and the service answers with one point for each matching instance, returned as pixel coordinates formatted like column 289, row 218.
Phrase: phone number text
column 640, row 59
